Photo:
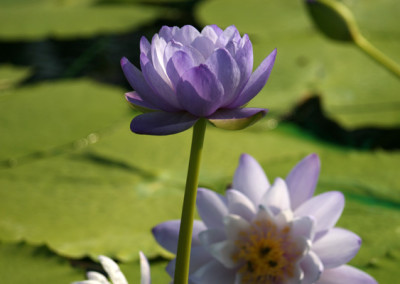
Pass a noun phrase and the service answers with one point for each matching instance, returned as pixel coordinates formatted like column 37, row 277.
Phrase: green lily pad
column 356, row 91
column 50, row 115
column 23, row 263
column 66, row 19
column 11, row 75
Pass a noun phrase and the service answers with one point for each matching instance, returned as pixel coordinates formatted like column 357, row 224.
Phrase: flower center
column 267, row 253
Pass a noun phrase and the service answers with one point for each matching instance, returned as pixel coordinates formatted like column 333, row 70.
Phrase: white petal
column 312, row 267
column 297, row 277
column 223, row 252
column 240, row 205
column 250, row 179
column 113, row 271
column 303, row 226
column 144, row 270
column 326, row 208
column 337, row 247
column 212, row 207
column 100, row 278
column 234, row 225
column 277, row 196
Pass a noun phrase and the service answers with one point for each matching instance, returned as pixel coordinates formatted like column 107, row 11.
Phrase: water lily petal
column 326, row 208
column 303, row 226
column 256, row 81
column 212, row 207
column 162, row 123
column 312, row 267
column 345, row 274
column 139, row 84
column 198, row 258
column 159, row 85
column 211, row 236
column 96, row 276
column 236, row 119
column 205, row 45
column 213, row 273
column 145, row 47
column 244, row 59
column 250, row 179
column 144, row 269
column 112, row 270
column 186, row 34
column 178, row 64
column 234, row 224
column 337, row 247
column 136, row 101
column 199, row 91
column 212, row 32
column 277, row 196
column 302, row 180
column 222, row 64
column 229, row 34
column 223, row 252
column 240, row 205
column 167, row 234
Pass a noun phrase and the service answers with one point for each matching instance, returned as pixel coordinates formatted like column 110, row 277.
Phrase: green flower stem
column 189, row 202
column 359, row 39
column 372, row 51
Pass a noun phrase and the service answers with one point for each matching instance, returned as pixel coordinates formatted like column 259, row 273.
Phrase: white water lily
column 263, row 234
column 115, row 274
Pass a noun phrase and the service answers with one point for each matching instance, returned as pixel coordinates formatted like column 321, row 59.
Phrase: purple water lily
column 186, row 75
column 262, row 233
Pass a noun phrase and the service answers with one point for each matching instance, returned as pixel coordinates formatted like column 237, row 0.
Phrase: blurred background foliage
column 75, row 183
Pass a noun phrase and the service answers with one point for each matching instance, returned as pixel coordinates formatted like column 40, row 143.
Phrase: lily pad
column 355, row 89
column 67, row 19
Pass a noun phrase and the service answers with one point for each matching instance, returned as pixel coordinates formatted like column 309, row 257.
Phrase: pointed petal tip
column 124, row 61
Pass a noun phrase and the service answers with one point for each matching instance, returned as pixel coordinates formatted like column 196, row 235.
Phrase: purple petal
column 167, row 234
column 162, row 123
column 158, row 45
column 222, row 64
column 169, row 51
column 212, row 32
column 345, row 274
column 213, row 273
column 250, row 179
column 223, row 252
column 186, row 34
column 312, row 267
column 159, row 85
column 179, row 63
column 204, row 45
column 137, row 102
column 277, row 196
column 166, row 33
column 228, row 35
column 198, row 258
column 302, row 180
column 326, row 208
column 145, row 47
column 337, row 247
column 244, row 59
column 144, row 269
column 199, row 91
column 209, row 237
column 240, row 205
column 236, row 119
column 212, row 207
column 139, row 84
column 256, row 81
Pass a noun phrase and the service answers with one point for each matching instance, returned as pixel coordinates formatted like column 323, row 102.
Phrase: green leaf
column 66, row 19
column 355, row 90
column 23, row 263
